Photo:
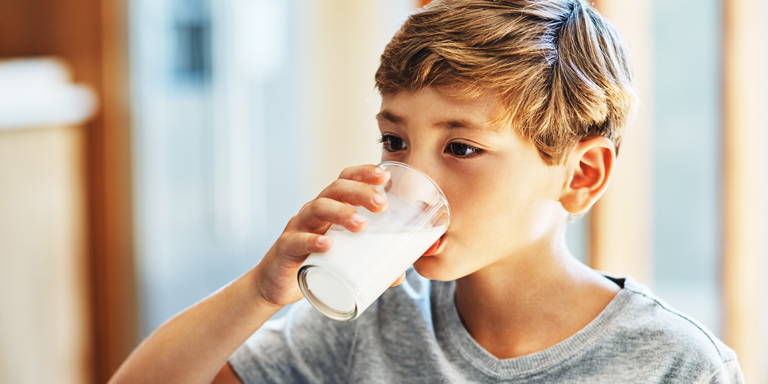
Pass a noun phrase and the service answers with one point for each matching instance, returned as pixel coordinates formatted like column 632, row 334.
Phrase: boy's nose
column 425, row 164
column 421, row 163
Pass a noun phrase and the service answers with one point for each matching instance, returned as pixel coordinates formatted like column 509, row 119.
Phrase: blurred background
column 152, row 150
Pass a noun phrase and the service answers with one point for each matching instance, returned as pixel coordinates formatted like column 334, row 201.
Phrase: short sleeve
column 302, row 347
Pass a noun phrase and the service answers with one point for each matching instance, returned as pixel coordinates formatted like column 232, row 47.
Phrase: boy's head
column 559, row 70
column 515, row 108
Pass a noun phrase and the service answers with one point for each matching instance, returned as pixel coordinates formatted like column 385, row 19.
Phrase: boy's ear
column 590, row 166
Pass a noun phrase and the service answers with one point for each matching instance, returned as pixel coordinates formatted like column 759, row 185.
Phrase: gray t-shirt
column 413, row 334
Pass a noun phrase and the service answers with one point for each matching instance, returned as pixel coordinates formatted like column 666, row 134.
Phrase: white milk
column 359, row 267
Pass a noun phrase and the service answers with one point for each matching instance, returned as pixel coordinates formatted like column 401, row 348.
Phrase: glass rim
column 440, row 192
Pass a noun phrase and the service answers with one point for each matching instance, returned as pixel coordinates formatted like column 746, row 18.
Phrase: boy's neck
column 532, row 302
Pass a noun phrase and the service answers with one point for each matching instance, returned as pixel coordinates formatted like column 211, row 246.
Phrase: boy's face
column 503, row 197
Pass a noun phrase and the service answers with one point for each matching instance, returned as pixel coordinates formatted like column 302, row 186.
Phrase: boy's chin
column 434, row 268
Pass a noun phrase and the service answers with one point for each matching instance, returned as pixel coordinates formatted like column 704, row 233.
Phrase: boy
column 516, row 109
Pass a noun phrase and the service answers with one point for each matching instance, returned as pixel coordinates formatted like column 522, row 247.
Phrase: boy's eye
column 462, row 150
column 392, row 143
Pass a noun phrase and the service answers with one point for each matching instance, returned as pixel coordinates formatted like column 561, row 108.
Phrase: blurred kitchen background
column 152, row 150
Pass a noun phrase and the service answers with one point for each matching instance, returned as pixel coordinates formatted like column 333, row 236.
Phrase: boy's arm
column 194, row 345
column 227, row 376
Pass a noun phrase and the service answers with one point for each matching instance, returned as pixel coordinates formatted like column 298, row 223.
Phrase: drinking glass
column 343, row 281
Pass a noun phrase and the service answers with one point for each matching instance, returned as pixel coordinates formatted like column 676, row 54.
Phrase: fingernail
column 323, row 240
column 379, row 199
column 378, row 171
column 357, row 218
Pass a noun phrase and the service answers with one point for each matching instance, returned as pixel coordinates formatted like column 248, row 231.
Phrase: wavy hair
column 561, row 71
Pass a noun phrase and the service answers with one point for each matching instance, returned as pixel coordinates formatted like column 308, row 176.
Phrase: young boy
column 516, row 109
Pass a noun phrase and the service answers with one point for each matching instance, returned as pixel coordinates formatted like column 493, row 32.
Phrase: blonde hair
column 561, row 70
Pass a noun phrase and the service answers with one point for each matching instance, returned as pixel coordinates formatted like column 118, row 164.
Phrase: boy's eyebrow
column 448, row 124
column 389, row 116
column 458, row 124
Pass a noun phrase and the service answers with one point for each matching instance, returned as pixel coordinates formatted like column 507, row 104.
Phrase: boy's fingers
column 369, row 174
column 314, row 217
column 355, row 193
column 295, row 246
column 399, row 280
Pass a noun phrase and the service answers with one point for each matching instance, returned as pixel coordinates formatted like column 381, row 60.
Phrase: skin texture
column 518, row 288
column 507, row 177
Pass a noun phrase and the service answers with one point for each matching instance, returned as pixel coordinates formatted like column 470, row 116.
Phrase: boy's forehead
column 431, row 107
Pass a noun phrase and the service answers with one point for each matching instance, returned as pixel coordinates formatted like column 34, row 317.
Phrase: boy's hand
column 303, row 235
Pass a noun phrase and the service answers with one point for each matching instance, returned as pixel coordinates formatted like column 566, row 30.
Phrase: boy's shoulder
column 650, row 331
column 649, row 316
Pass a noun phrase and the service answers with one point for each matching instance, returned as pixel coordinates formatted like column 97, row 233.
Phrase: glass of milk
column 342, row 282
